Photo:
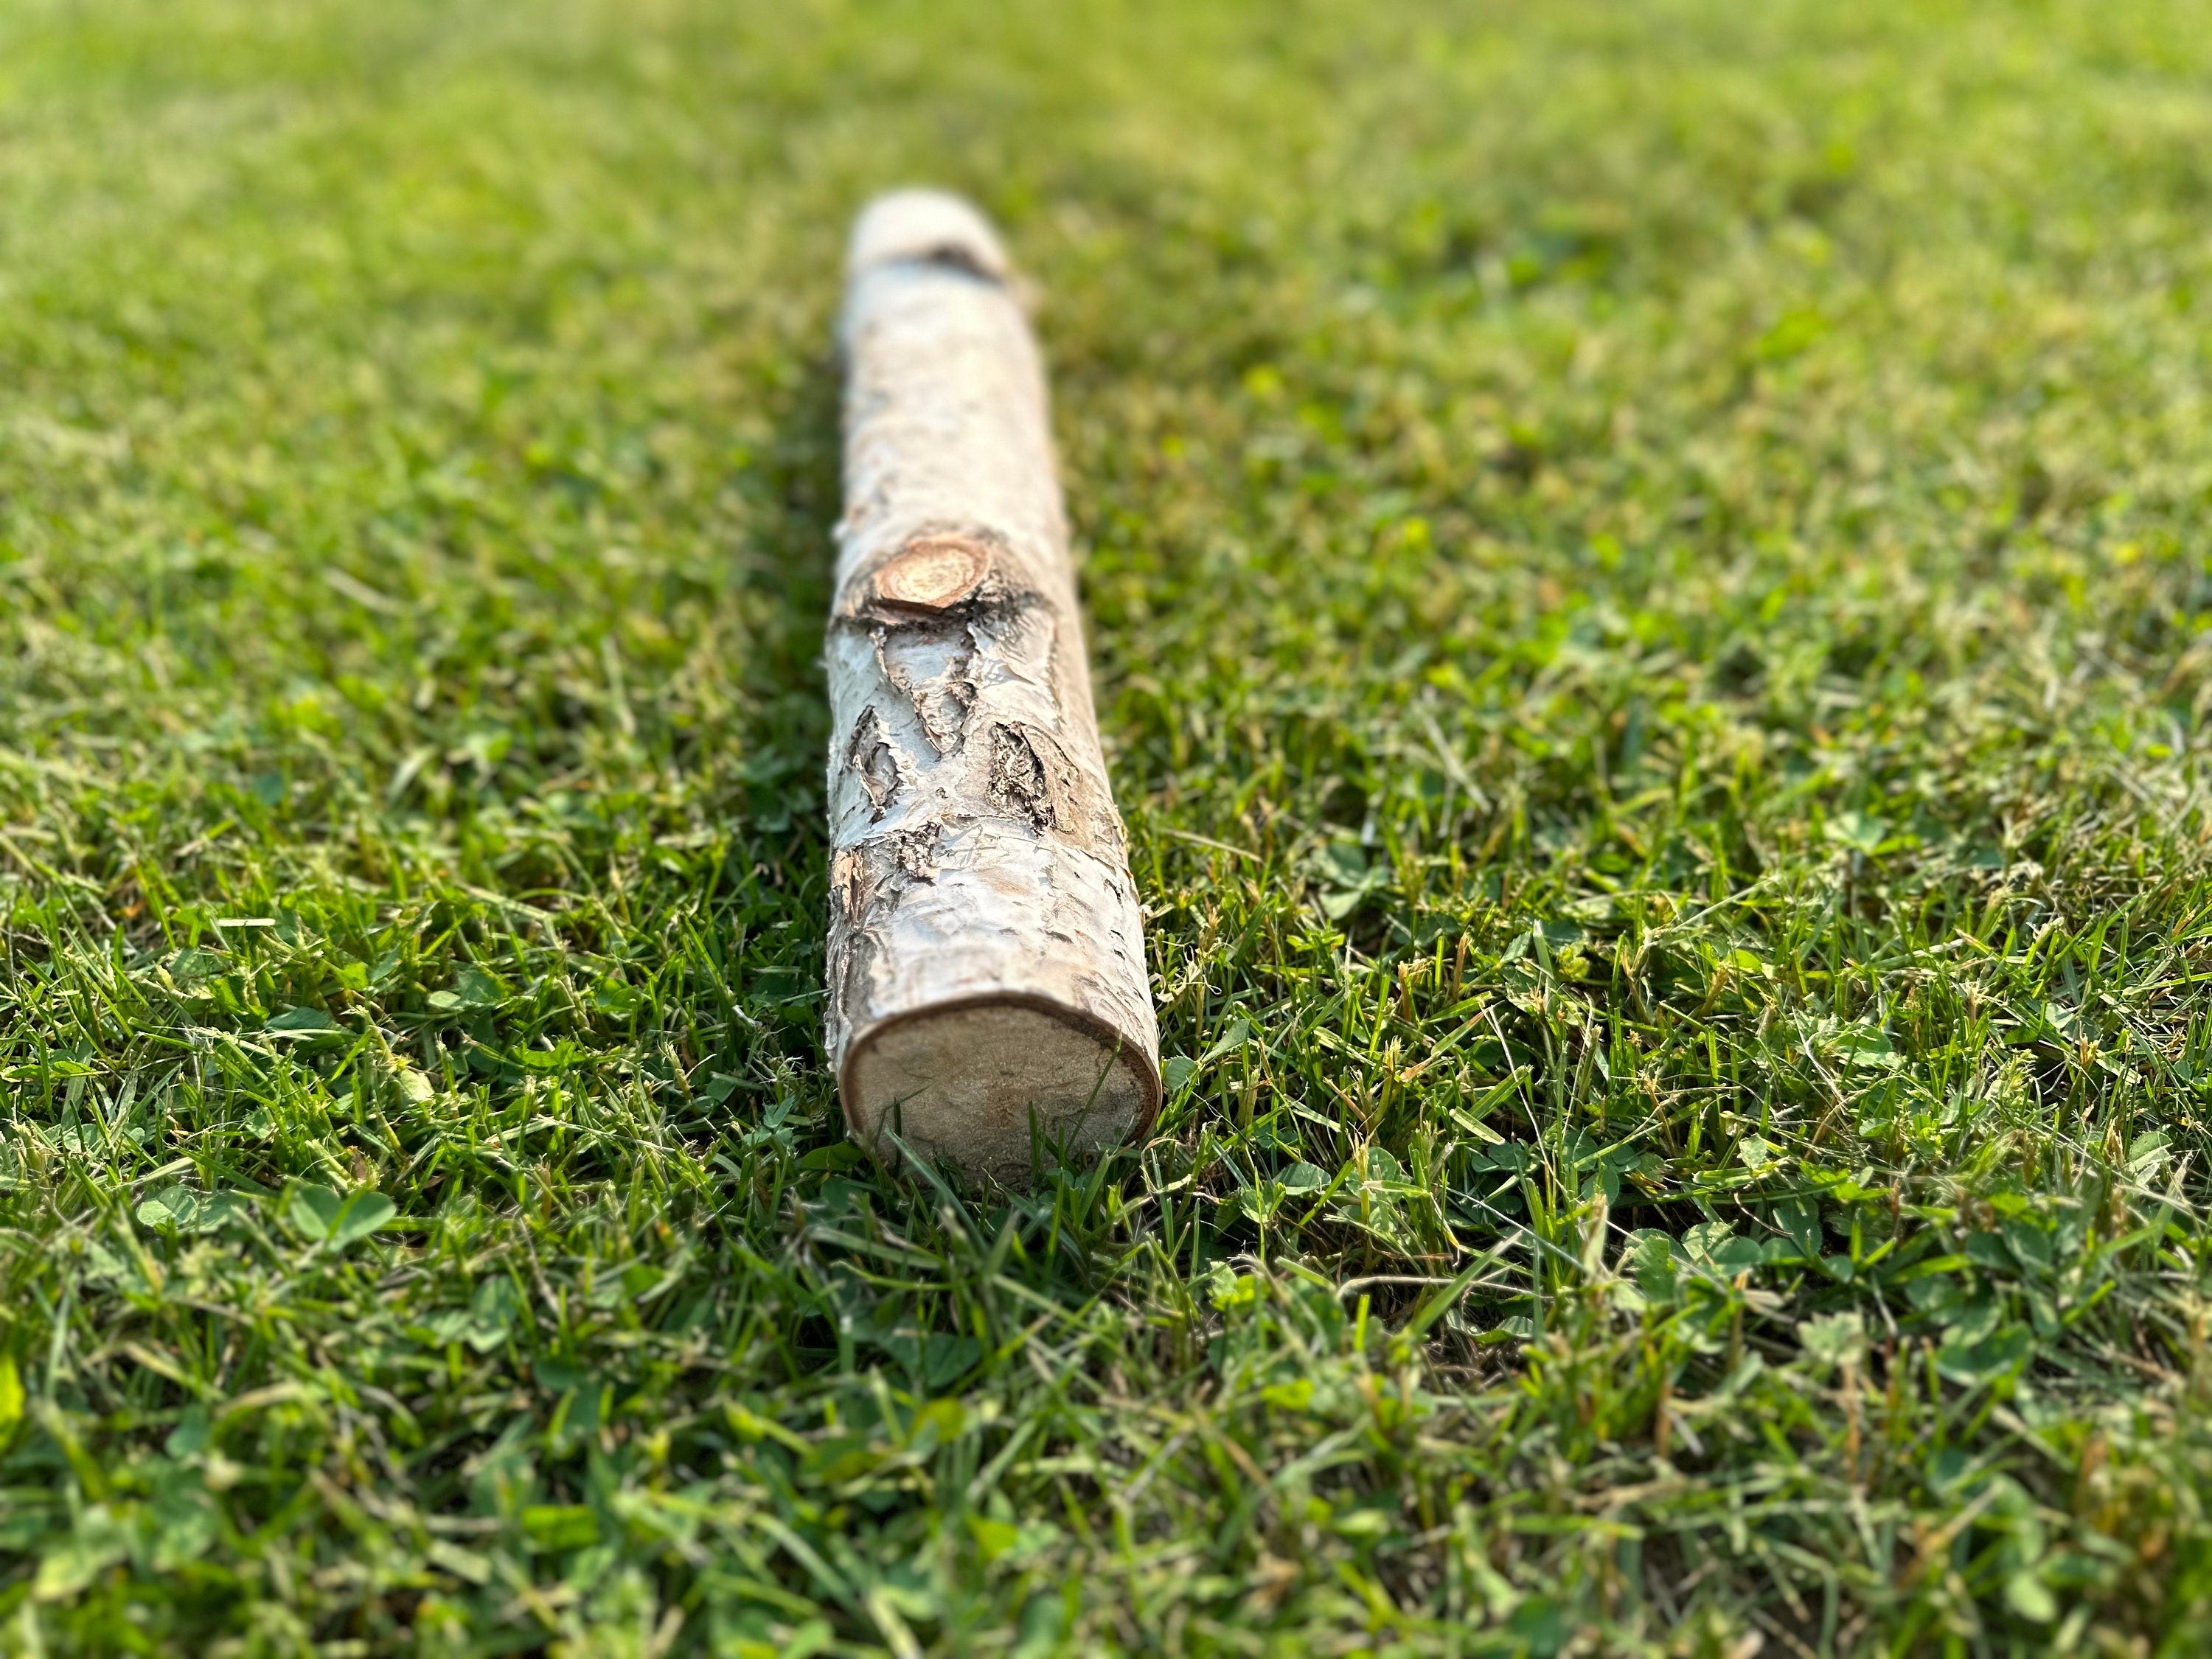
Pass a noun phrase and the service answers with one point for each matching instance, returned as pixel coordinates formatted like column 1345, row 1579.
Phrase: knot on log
column 932, row 574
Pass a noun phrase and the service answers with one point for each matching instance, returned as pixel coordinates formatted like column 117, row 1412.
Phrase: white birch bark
column 986, row 970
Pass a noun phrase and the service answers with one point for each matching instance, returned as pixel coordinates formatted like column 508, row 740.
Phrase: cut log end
column 997, row 1086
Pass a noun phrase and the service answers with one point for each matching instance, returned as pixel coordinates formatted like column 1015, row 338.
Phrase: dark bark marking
column 1017, row 781
column 871, row 755
column 957, row 256
column 1032, row 777
column 916, row 850
column 868, row 881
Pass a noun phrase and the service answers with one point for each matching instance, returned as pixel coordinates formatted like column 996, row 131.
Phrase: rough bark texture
column 986, row 965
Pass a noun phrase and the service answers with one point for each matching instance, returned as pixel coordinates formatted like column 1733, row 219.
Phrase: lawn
column 1652, row 596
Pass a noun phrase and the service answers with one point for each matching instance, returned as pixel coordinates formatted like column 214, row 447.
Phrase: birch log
column 987, row 980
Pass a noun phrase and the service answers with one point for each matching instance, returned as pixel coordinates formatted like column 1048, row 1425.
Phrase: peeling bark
column 986, row 973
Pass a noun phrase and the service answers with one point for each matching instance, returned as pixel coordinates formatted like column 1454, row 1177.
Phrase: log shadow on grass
column 786, row 562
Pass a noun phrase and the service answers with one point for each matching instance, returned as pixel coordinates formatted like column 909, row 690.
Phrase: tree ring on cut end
column 933, row 572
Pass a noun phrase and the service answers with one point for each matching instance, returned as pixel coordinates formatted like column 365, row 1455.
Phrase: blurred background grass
column 1648, row 581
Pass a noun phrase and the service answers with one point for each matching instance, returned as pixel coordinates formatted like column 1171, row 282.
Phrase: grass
column 1650, row 588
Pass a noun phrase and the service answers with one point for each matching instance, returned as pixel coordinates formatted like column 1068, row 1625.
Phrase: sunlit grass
column 1649, row 584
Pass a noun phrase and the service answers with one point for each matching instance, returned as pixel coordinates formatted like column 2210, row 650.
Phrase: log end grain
column 997, row 1086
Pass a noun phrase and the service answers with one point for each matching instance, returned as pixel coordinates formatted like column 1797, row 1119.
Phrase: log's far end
column 927, row 225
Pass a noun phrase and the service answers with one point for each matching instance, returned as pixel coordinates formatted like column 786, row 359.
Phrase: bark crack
column 1021, row 778
column 1017, row 779
column 917, row 851
column 871, row 755
column 931, row 664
